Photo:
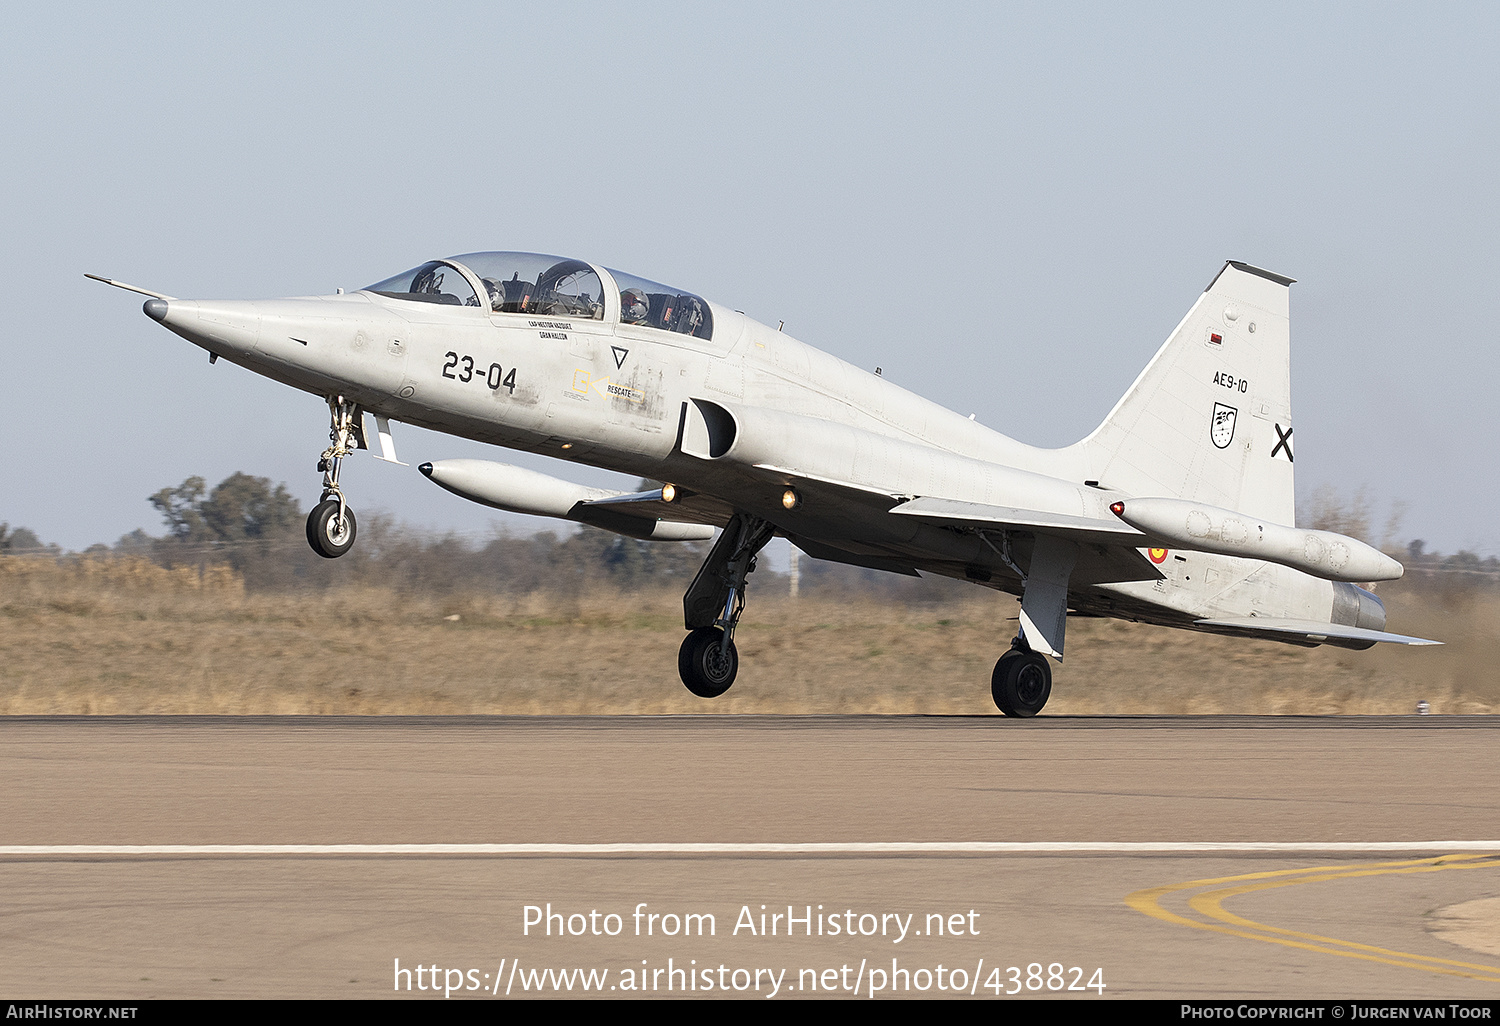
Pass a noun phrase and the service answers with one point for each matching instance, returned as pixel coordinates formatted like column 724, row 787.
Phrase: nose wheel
column 330, row 526
column 1022, row 682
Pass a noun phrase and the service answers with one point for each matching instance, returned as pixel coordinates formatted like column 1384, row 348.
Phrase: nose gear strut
column 708, row 661
column 330, row 526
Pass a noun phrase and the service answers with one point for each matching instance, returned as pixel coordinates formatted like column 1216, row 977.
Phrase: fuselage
column 600, row 382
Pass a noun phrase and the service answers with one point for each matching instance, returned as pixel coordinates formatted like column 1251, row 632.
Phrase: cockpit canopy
column 661, row 306
column 523, row 283
column 547, row 286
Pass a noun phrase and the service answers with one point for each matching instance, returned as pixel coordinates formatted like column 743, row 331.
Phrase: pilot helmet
column 633, row 306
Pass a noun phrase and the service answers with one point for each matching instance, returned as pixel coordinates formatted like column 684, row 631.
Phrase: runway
column 1170, row 858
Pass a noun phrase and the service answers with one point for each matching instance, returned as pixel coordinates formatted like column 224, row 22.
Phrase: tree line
column 256, row 528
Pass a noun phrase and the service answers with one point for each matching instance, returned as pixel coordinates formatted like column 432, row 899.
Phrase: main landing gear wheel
column 1022, row 682
column 330, row 534
column 712, row 606
column 708, row 662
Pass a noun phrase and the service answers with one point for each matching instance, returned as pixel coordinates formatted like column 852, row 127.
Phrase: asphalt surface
column 1332, row 920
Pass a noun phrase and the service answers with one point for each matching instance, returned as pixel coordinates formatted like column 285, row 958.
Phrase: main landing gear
column 330, row 526
column 1022, row 681
column 708, row 660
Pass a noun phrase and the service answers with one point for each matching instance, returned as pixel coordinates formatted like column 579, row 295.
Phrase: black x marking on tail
column 1284, row 441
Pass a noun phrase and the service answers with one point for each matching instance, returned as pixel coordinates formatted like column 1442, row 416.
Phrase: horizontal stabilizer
column 1312, row 629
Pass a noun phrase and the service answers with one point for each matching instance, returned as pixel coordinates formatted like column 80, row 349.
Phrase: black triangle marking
column 620, row 355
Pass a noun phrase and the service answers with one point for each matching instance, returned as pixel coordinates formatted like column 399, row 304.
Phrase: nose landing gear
column 330, row 526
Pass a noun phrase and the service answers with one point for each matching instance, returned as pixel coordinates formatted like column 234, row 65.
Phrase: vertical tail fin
column 1210, row 418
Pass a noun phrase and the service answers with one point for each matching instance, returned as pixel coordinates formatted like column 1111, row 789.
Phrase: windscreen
column 433, row 282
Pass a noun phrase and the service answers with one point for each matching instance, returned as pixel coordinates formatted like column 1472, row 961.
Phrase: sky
column 1007, row 207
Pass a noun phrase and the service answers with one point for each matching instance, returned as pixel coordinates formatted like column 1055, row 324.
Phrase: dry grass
column 124, row 636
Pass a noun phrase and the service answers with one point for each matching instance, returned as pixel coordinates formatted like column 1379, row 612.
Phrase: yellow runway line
column 1209, row 904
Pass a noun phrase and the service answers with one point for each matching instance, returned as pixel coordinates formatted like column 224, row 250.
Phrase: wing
column 894, row 533
column 977, row 514
column 1107, row 552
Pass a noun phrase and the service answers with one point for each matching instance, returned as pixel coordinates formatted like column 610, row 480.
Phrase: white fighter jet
column 1177, row 510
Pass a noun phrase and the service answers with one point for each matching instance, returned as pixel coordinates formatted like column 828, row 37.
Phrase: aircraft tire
column 329, row 537
column 1021, row 683
column 703, row 668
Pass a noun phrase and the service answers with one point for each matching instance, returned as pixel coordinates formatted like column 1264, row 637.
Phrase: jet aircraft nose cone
column 156, row 309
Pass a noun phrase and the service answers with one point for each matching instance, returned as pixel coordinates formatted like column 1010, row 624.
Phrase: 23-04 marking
column 495, row 377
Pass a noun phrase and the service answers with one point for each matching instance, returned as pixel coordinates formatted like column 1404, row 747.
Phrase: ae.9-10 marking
column 495, row 377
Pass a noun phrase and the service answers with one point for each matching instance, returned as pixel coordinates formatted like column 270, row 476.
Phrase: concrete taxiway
column 1377, row 888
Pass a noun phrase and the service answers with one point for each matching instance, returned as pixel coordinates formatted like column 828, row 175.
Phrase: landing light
column 668, row 492
column 790, row 499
